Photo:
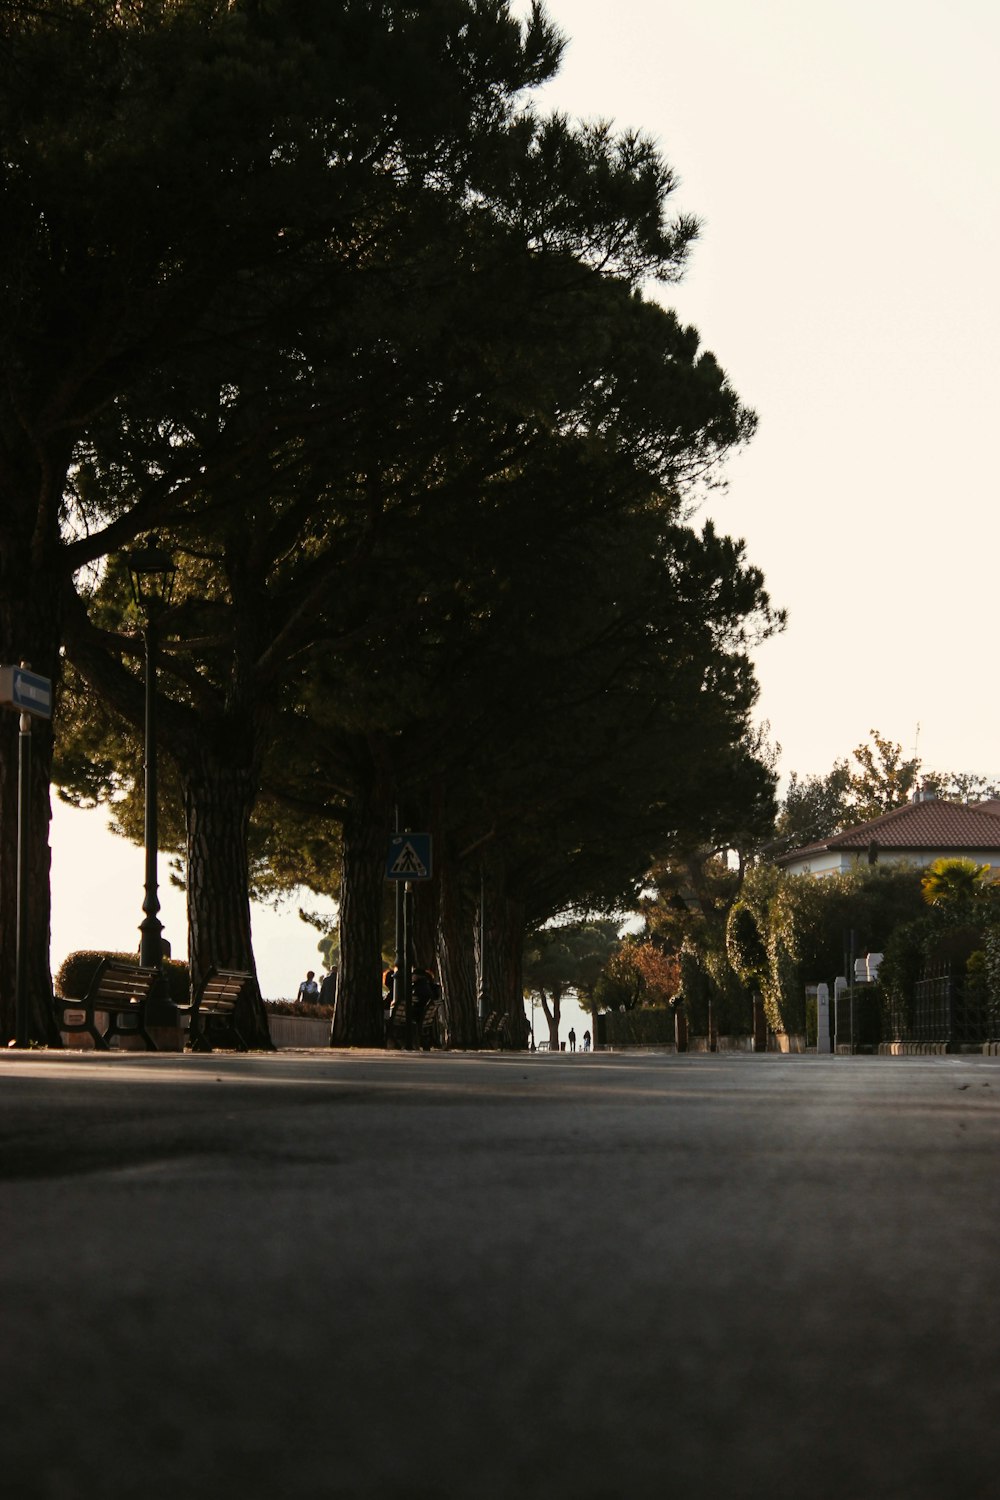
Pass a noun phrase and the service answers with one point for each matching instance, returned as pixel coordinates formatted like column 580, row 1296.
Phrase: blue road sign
column 409, row 857
column 26, row 691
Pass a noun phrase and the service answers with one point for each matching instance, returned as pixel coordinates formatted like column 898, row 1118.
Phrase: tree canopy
column 314, row 292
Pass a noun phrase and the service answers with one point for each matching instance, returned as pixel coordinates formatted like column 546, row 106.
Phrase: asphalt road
column 411, row 1277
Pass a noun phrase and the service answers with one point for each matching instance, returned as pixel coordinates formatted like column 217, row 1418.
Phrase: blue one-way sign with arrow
column 26, row 691
column 409, row 857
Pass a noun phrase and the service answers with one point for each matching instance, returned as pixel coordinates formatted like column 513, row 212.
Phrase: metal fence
column 946, row 1008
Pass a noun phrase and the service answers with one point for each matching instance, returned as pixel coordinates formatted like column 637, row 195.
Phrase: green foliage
column 903, row 963
column 745, row 947
column 961, row 786
column 637, row 973
column 714, row 997
column 813, row 808
column 621, row 985
column 647, row 1026
column 804, row 926
column 991, row 971
column 885, row 778
column 962, row 936
column 429, row 482
column 310, row 288
column 688, row 896
column 329, row 950
column 769, row 931
column 568, row 956
column 955, row 883
column 314, row 1012
column 976, row 983
column 784, row 992
column 697, row 989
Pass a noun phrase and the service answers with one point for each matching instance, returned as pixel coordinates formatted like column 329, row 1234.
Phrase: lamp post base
column 162, row 1020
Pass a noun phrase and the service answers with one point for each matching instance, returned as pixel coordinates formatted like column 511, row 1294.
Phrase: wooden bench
column 118, row 990
column 429, row 1026
column 496, row 1031
column 212, row 1014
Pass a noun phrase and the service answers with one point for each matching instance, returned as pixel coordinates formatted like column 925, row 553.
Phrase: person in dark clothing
column 424, row 991
column 389, row 992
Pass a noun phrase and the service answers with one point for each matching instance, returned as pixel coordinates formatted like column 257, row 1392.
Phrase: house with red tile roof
column 926, row 829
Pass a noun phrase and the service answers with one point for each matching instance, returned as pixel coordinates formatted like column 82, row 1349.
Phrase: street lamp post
column 151, row 573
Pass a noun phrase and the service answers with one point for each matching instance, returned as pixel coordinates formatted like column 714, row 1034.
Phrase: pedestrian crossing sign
column 409, row 857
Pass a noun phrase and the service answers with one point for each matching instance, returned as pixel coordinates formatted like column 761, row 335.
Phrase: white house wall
column 839, row 861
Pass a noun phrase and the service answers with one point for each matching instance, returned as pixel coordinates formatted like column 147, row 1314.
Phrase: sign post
column 28, row 694
column 408, row 858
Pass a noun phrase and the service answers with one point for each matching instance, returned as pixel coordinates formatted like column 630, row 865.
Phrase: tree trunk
column 489, row 944
column 456, row 964
column 500, row 956
column 520, row 1028
column 29, row 632
column 426, row 895
column 553, row 1013
column 358, row 1018
column 218, row 802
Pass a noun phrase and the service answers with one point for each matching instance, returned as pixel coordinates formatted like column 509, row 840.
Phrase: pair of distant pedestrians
column 312, row 993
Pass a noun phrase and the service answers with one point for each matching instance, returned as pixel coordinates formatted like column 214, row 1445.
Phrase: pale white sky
column 841, row 155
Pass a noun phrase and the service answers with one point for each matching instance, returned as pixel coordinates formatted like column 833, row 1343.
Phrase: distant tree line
column 731, row 935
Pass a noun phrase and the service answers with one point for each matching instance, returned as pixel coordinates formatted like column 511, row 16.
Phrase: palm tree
column 953, row 882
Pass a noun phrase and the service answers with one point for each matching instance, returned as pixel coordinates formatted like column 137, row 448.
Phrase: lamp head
column 151, row 571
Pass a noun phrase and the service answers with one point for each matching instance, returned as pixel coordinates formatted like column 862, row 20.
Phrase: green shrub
column 314, row 1012
column 708, row 984
column 745, row 947
column 784, row 993
column 644, row 1026
column 77, row 970
column 991, row 975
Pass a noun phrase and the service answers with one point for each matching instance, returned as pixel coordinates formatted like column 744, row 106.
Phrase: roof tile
column 934, row 824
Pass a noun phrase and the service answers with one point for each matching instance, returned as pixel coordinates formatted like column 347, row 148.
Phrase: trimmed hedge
column 640, row 1027
column 294, row 1008
column 77, row 970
